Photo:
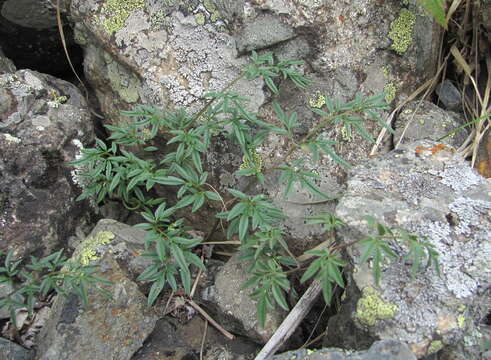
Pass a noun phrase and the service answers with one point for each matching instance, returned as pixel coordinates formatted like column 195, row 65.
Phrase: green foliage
column 42, row 276
column 114, row 172
column 436, row 8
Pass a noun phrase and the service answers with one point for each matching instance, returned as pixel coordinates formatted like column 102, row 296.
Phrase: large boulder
column 107, row 328
column 43, row 123
column 429, row 190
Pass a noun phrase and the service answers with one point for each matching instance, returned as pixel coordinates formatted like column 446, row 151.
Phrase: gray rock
column 11, row 351
column 6, row 65
column 449, row 95
column 424, row 120
column 106, row 329
column 29, row 13
column 43, row 123
column 266, row 30
column 235, row 310
column 380, row 350
column 429, row 190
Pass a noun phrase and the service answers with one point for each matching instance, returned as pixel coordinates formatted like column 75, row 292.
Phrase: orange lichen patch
column 342, row 19
column 483, row 165
column 433, row 150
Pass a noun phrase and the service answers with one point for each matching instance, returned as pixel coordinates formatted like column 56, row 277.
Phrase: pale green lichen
column 318, row 101
column 160, row 20
column 257, row 162
column 56, row 99
column 117, row 11
column 390, row 92
column 88, row 250
column 461, row 321
column 11, row 138
column 371, row 308
column 434, row 347
column 126, row 85
column 199, row 18
column 211, row 8
column 401, row 31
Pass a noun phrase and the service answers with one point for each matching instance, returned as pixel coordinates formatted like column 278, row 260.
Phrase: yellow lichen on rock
column 118, row 11
column 401, row 31
column 87, row 250
column 371, row 308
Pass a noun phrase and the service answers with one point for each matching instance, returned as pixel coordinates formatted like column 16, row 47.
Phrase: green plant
column 436, row 8
column 114, row 172
column 36, row 280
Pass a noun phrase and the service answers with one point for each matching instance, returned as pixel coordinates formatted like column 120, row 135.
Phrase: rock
column 234, row 309
column 29, row 36
column 423, row 120
column 178, row 341
column 125, row 243
column 483, row 159
column 262, row 32
column 43, row 123
column 112, row 329
column 11, row 351
column 380, row 350
column 6, row 65
column 449, row 95
column 429, row 190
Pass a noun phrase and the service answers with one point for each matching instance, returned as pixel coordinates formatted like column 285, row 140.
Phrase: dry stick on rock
column 294, row 318
column 210, row 320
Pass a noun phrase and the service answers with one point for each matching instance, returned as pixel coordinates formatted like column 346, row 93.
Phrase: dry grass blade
column 451, row 10
column 467, row 70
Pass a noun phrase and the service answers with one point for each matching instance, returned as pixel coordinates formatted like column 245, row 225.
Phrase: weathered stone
column 262, row 32
column 420, row 120
column 6, row 65
column 11, row 351
column 29, row 36
column 449, row 95
column 112, row 329
column 235, row 310
column 380, row 350
column 429, row 190
column 181, row 341
column 43, row 124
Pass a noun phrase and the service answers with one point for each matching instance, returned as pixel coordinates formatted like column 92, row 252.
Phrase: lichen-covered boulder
column 429, row 190
column 107, row 328
column 43, row 123
column 233, row 307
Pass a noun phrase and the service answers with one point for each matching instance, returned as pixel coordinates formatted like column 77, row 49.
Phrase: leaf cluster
column 36, row 280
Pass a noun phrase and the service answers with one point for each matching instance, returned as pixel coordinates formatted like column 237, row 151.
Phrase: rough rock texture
column 172, row 340
column 380, row 350
column 424, row 120
column 12, row 351
column 106, row 329
column 6, row 65
column 29, row 36
column 43, row 123
column 126, row 245
column 235, row 310
column 429, row 190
